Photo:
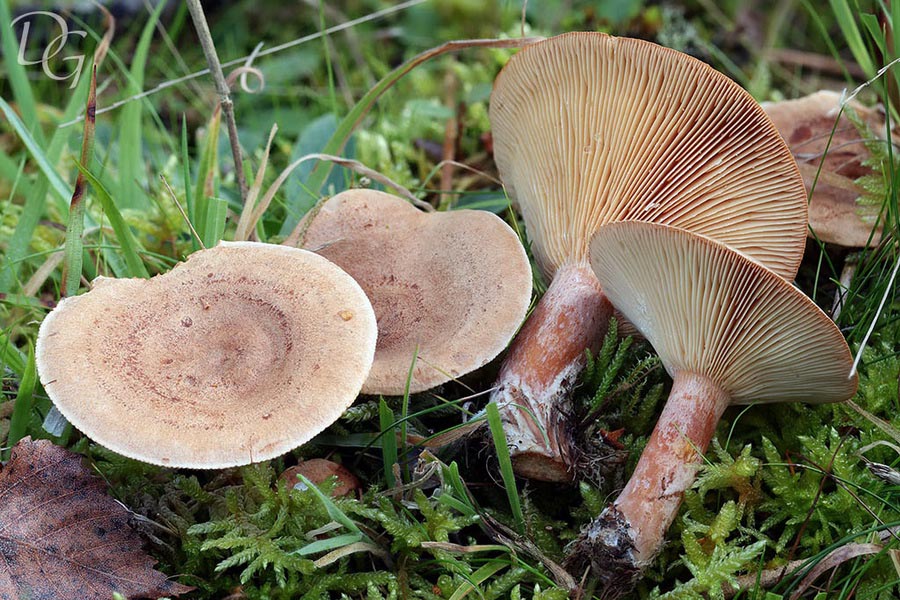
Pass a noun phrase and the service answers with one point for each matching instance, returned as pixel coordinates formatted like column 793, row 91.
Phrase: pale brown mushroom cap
column 807, row 124
column 711, row 311
column 590, row 129
column 237, row 355
column 454, row 284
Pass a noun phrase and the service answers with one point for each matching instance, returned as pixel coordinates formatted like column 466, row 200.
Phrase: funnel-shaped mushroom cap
column 238, row 355
column 712, row 312
column 456, row 285
column 590, row 129
column 808, row 126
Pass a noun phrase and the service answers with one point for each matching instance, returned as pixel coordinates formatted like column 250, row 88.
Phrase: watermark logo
column 53, row 47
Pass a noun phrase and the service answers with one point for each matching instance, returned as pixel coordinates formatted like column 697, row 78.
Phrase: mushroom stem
column 540, row 370
column 626, row 536
column 669, row 463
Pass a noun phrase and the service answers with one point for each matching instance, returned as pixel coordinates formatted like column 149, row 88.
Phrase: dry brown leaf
column 63, row 537
column 834, row 559
column 808, row 126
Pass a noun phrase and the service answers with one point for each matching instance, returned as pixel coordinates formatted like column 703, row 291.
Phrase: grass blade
column 846, row 20
column 506, row 470
column 463, row 500
column 130, row 247
column 337, row 541
column 388, row 442
column 206, row 171
column 246, row 223
column 333, row 511
column 326, row 51
column 12, row 357
column 21, row 416
column 131, row 162
column 873, row 28
column 485, row 573
column 60, row 187
column 10, row 170
column 404, row 409
column 74, row 244
column 15, row 72
column 894, row 20
column 186, row 177
column 216, row 212
column 19, row 242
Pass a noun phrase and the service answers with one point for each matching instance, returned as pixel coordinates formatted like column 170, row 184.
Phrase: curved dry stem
column 249, row 218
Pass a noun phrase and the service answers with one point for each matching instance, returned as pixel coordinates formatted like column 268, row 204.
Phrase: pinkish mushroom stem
column 626, row 536
column 728, row 330
column 669, row 463
column 543, row 363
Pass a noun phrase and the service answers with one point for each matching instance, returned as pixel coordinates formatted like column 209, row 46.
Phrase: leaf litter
column 63, row 537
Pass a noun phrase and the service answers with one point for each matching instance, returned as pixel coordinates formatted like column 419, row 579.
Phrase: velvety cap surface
column 237, row 355
column 449, row 287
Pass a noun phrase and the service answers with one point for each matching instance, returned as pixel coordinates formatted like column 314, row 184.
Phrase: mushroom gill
column 590, row 129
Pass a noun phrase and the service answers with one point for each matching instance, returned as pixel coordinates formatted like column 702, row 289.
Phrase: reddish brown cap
column 711, row 311
column 318, row 470
column 590, row 129
column 456, row 285
column 238, row 355
column 810, row 125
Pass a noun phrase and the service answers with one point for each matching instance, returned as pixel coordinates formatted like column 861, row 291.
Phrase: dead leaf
column 834, row 559
column 63, row 537
column 808, row 126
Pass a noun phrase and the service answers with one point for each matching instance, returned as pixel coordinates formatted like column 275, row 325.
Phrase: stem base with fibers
column 634, row 527
column 542, row 366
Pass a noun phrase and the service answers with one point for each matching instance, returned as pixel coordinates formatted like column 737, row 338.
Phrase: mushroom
column 728, row 331
column 319, row 470
column 449, row 289
column 589, row 129
column 237, row 355
column 811, row 127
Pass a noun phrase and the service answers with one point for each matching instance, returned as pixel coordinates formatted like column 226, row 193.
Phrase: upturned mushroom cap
column 711, row 311
column 590, row 129
column 454, row 285
column 806, row 125
column 238, row 355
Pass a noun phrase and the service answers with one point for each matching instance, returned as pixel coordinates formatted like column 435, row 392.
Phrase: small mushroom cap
column 590, row 129
column 237, row 355
column 318, row 470
column 807, row 124
column 711, row 311
column 456, row 285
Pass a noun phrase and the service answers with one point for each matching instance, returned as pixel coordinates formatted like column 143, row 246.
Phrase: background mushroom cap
column 808, row 126
column 238, row 355
column 711, row 311
column 456, row 284
column 318, row 470
column 590, row 129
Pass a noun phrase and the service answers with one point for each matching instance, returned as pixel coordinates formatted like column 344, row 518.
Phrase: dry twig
column 215, row 67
